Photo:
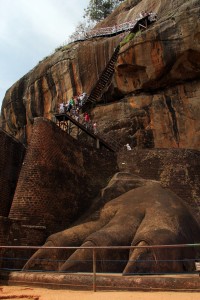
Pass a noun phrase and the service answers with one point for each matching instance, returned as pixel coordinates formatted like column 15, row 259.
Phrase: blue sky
column 31, row 30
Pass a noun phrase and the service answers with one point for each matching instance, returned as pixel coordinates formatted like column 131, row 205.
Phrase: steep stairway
column 104, row 79
column 97, row 92
column 139, row 24
column 66, row 118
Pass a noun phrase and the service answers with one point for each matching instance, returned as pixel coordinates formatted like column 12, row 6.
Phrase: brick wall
column 11, row 157
column 13, row 232
column 177, row 169
column 4, row 230
column 59, row 178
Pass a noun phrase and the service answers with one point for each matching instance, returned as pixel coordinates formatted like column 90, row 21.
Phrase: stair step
column 104, row 78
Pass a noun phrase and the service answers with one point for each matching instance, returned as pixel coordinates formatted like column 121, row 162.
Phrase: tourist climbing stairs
column 64, row 121
column 67, row 122
column 142, row 22
column 104, row 79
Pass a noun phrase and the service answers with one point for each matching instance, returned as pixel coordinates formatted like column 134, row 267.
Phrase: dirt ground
column 31, row 293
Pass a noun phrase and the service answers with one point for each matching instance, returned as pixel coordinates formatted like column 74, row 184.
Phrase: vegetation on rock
column 98, row 10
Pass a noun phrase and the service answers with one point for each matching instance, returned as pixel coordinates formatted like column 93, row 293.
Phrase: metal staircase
column 107, row 73
column 104, row 79
column 65, row 121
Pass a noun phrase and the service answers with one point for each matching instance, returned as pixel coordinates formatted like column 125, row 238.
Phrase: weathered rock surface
column 54, row 80
column 156, row 79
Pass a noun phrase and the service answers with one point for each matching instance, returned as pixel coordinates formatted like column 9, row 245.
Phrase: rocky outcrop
column 156, row 79
column 54, row 80
column 165, row 119
column 162, row 65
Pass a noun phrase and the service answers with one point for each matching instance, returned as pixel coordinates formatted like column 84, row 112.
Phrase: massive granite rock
column 156, row 79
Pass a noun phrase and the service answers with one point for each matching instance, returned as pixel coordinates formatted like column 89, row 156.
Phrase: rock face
column 156, row 79
column 162, row 65
column 54, row 80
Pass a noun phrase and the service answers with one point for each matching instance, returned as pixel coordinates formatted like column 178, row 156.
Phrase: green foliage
column 81, row 29
column 62, row 48
column 127, row 38
column 58, row 48
column 46, row 57
column 66, row 47
column 98, row 10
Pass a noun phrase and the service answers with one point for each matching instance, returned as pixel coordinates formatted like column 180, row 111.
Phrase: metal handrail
column 95, row 248
column 101, row 247
column 114, row 29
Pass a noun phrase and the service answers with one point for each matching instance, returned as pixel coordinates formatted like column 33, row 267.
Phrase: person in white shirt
column 128, row 147
column 61, row 108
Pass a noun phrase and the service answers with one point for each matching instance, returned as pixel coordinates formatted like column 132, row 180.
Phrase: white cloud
column 31, row 30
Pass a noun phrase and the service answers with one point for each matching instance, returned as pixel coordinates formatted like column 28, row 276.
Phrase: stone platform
column 83, row 281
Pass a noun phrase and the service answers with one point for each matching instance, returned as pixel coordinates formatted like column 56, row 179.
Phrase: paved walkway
column 25, row 293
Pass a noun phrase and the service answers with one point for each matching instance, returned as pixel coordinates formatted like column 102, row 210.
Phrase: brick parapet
column 14, row 233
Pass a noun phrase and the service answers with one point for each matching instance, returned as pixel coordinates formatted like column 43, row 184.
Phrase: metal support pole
column 94, row 269
column 146, row 22
column 98, row 144
column 69, row 128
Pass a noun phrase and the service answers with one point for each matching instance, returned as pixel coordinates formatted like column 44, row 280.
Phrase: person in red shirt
column 87, row 120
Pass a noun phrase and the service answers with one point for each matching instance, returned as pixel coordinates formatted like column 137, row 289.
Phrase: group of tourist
column 73, row 108
column 75, row 103
column 92, row 126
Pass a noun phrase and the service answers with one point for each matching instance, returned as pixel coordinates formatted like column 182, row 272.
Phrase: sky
column 31, row 30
